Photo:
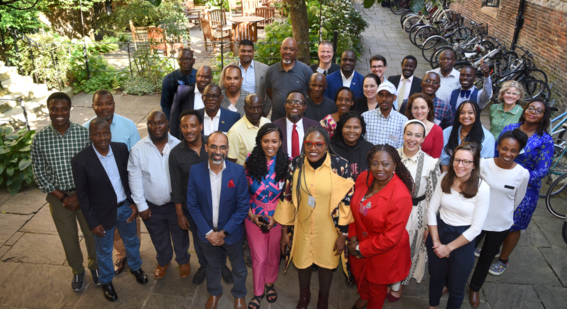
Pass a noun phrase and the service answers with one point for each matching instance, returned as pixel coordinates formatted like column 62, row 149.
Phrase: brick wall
column 544, row 34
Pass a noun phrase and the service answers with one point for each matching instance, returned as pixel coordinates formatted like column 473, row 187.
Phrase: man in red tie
column 294, row 125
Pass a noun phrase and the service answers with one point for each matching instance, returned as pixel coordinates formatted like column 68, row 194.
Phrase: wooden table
column 248, row 19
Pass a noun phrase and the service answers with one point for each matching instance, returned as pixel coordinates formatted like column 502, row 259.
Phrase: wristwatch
column 63, row 197
column 358, row 251
column 225, row 233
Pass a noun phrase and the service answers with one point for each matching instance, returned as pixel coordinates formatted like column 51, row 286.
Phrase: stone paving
column 34, row 273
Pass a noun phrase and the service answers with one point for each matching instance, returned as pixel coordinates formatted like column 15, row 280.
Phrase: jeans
column 213, row 255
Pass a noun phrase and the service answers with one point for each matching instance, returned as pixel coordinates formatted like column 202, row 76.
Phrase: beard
column 218, row 162
column 287, row 62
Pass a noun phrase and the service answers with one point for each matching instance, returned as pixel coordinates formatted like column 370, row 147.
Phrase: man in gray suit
column 253, row 74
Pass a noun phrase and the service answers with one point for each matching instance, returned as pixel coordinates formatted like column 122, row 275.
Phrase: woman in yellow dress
column 316, row 210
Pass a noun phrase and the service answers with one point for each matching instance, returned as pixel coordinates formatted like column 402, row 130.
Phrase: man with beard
column 325, row 65
column 218, row 201
column 345, row 77
column 406, row 84
column 233, row 94
column 317, row 104
column 185, row 75
column 124, row 131
column 285, row 76
column 216, row 118
column 449, row 76
column 468, row 91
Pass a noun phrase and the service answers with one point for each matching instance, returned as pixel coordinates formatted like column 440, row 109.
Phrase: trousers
column 265, row 253
column 119, row 249
column 214, row 267
column 491, row 246
column 374, row 293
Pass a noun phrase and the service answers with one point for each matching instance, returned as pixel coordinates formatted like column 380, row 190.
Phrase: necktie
column 294, row 142
column 465, row 93
column 402, row 91
column 325, row 72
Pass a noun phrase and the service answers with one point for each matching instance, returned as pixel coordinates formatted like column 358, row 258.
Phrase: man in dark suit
column 407, row 85
column 294, row 125
column 218, row 201
column 101, row 179
column 216, row 118
column 345, row 77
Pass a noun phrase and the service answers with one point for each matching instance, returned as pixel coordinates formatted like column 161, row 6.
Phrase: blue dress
column 264, row 195
column 536, row 158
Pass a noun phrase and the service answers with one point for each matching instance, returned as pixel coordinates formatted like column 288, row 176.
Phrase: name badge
column 311, row 201
column 509, row 187
column 393, row 137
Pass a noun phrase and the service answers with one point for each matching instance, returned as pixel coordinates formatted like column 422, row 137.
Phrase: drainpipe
column 519, row 23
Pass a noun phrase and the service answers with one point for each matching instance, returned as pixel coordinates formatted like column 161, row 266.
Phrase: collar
column 410, row 78
column 379, row 111
column 183, row 144
column 250, row 67
column 513, row 111
column 197, row 90
column 290, row 70
column 205, row 115
column 405, row 158
column 148, row 140
column 290, row 124
column 249, row 125
column 326, row 163
column 110, row 154
column 66, row 131
column 347, row 79
column 223, row 166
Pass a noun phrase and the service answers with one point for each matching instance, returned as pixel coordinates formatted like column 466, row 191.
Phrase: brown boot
column 212, row 302
column 240, row 303
column 184, row 270
column 304, row 298
column 474, row 298
column 160, row 271
column 323, row 301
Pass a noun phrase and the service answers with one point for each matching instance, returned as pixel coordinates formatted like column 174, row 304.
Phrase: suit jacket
column 260, row 73
column 226, row 121
column 335, row 81
column 184, row 99
column 233, row 205
column 94, row 190
column 415, row 85
column 455, row 96
column 281, row 123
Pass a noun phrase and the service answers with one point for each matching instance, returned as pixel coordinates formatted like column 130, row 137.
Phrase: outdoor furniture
column 193, row 14
column 250, row 6
column 243, row 31
column 217, row 20
column 157, row 39
column 139, row 34
column 212, row 34
column 236, row 9
column 268, row 15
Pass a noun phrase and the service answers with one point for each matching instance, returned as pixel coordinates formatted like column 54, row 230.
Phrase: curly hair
column 400, row 170
column 545, row 121
column 427, row 99
column 469, row 188
column 256, row 165
column 338, row 136
column 511, row 84
column 476, row 134
column 516, row 134
column 341, row 89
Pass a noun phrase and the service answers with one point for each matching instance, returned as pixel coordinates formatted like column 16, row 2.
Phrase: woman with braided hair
column 266, row 169
column 316, row 204
column 378, row 241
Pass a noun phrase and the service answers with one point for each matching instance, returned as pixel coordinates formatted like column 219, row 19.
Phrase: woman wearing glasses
column 316, row 204
column 462, row 200
column 368, row 101
column 536, row 158
column 509, row 111
column 344, row 101
column 420, row 107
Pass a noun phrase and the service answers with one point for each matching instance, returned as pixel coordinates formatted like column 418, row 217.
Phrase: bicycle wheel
column 537, row 74
column 413, row 30
column 430, row 45
column 422, row 34
column 404, row 16
column 565, row 231
column 558, row 167
column 434, row 61
column 399, row 6
column 555, row 197
column 536, row 89
column 410, row 22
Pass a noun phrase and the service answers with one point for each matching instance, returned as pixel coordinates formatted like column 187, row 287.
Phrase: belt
column 416, row 200
column 121, row 203
column 70, row 190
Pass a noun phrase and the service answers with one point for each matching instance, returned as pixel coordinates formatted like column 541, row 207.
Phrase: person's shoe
column 160, row 271
column 109, row 292
column 498, row 268
column 212, row 302
column 140, row 276
column 240, row 303
column 304, row 298
column 200, row 275
column 77, row 284
column 445, row 290
column 323, row 301
column 474, row 298
column 391, row 298
column 95, row 277
column 184, row 270
column 226, row 275
column 119, row 266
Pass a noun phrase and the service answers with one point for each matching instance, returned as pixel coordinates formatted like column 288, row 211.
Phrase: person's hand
column 425, row 234
column 353, row 242
column 134, row 213
column 254, row 218
column 485, row 68
column 340, row 245
column 272, row 222
column 284, row 242
column 216, row 238
column 183, row 222
column 99, row 231
column 71, row 203
column 442, row 251
column 146, row 214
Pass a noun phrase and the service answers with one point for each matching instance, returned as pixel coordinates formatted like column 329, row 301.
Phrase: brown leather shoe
column 119, row 266
column 160, row 271
column 474, row 298
column 240, row 303
column 212, row 302
column 184, row 270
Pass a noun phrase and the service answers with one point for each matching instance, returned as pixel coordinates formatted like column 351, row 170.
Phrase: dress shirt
column 486, row 149
column 382, row 130
column 198, row 100
column 239, row 108
column 347, row 81
column 216, row 184
column 483, row 95
column 211, row 125
column 248, row 77
column 123, row 130
column 300, row 133
column 448, row 84
column 109, row 164
column 499, row 119
column 51, row 154
column 148, row 173
column 181, row 159
column 242, row 138
column 406, row 93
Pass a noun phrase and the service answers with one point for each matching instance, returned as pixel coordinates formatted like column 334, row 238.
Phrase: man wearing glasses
column 185, row 75
column 216, row 118
column 294, row 125
column 378, row 66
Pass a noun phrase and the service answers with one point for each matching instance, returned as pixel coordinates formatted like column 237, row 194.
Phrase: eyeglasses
column 184, row 59
column 511, row 93
column 215, row 147
column 318, row 145
column 211, row 96
column 295, row 102
column 428, row 81
column 537, row 111
column 466, row 163
column 377, row 67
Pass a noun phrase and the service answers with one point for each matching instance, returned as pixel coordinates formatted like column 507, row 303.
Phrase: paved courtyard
column 34, row 273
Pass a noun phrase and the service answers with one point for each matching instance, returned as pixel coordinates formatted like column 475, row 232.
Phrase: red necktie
column 294, row 142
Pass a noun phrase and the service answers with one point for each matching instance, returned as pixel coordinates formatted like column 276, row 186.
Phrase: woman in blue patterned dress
column 536, row 158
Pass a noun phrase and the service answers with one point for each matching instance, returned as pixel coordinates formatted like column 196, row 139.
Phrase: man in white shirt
column 468, row 91
column 345, row 77
column 449, row 76
column 148, row 177
column 204, row 78
column 406, row 84
column 216, row 118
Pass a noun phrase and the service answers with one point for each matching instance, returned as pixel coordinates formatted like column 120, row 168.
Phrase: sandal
column 252, row 305
column 273, row 294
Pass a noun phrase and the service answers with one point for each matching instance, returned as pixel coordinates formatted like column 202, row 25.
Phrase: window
column 492, row 3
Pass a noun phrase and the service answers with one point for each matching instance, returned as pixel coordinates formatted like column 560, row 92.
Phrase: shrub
column 139, row 86
column 15, row 158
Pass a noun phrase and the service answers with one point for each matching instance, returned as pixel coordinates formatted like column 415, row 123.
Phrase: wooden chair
column 217, row 19
column 139, row 34
column 243, row 31
column 250, row 6
column 157, row 40
column 212, row 34
column 268, row 14
column 193, row 14
column 236, row 8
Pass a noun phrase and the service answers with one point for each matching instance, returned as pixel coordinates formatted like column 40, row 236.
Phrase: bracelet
column 63, row 197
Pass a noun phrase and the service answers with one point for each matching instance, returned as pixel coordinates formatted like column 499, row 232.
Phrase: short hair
column 191, row 112
column 451, row 51
column 295, row 91
column 59, row 96
column 232, row 66
column 517, row 134
column 410, row 57
column 434, row 73
column 103, row 92
column 325, row 42
column 182, row 50
column 97, row 122
column 246, row 43
column 466, row 67
column 512, row 84
column 349, row 51
column 421, row 95
column 378, row 58
column 545, row 121
column 217, row 132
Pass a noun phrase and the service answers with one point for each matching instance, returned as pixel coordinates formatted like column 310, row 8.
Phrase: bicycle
column 559, row 161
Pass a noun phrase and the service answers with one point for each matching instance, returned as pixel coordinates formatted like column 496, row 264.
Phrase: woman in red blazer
column 378, row 240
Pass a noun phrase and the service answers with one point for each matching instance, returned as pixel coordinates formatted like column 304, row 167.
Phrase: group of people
column 390, row 178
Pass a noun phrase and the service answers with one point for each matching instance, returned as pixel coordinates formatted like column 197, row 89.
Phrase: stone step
column 19, row 84
column 8, row 73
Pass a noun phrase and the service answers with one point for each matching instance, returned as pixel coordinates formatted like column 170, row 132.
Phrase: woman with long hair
column 466, row 128
column 378, row 240
column 344, row 101
column 316, row 204
column 266, row 169
column 536, row 158
column 462, row 200
column 509, row 110
column 420, row 107
column 368, row 101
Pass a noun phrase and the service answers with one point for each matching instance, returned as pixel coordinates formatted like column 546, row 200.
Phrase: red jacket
column 384, row 241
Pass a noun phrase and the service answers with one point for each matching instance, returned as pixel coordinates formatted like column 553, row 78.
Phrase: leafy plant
column 216, row 65
column 139, row 86
column 15, row 158
column 151, row 66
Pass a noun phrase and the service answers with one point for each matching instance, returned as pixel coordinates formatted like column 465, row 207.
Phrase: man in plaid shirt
column 52, row 149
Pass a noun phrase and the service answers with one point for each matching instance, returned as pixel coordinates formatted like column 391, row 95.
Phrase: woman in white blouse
column 462, row 200
column 508, row 183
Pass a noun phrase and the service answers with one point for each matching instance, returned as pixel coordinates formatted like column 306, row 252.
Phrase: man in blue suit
column 216, row 118
column 218, row 201
column 345, row 77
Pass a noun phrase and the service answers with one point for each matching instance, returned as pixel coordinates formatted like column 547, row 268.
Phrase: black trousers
column 491, row 246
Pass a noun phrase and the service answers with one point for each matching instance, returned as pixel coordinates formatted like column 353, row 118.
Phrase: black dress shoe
column 226, row 275
column 140, row 276
column 200, row 276
column 109, row 292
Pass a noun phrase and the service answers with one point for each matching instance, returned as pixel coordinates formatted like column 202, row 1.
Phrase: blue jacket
column 234, row 200
column 455, row 97
column 227, row 118
column 335, row 81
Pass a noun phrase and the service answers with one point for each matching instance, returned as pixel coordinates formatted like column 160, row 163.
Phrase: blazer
column 227, row 118
column 184, row 99
column 281, row 123
column 415, row 85
column 234, row 200
column 260, row 70
column 94, row 190
column 335, row 81
column 455, row 97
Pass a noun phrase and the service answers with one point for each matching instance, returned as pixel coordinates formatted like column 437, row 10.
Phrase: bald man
column 285, row 76
column 185, row 75
column 318, row 105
